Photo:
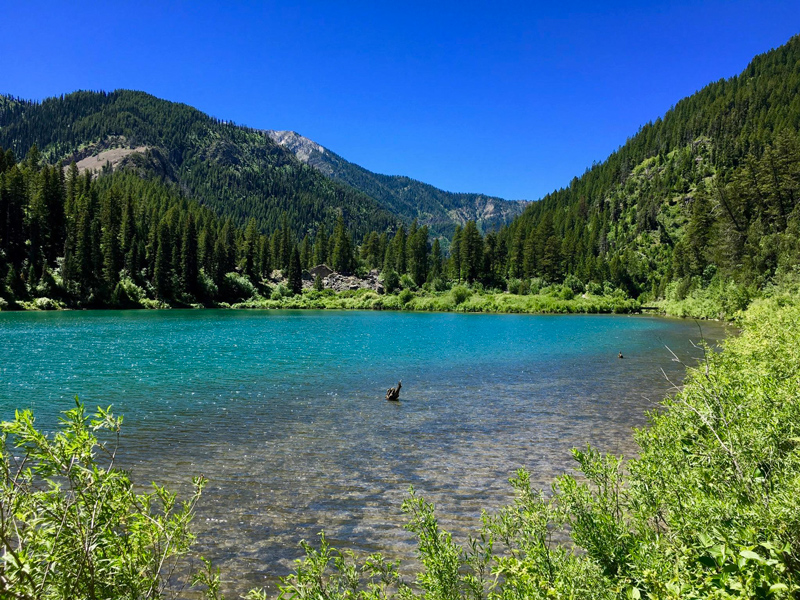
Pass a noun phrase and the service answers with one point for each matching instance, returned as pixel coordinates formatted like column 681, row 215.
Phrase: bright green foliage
column 328, row 573
column 71, row 524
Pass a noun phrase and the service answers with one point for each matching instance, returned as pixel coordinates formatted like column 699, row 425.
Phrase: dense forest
column 123, row 240
column 706, row 195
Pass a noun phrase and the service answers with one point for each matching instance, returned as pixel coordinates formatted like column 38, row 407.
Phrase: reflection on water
column 283, row 411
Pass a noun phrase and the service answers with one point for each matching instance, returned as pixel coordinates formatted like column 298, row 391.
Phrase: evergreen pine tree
column 162, row 275
column 342, row 257
column 295, row 272
column 189, row 268
column 321, row 246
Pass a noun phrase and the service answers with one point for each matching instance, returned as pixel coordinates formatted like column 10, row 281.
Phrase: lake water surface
column 283, row 411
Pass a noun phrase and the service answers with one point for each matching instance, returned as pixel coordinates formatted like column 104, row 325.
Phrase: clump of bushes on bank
column 460, row 298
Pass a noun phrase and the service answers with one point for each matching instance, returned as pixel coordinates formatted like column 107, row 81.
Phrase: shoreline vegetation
column 709, row 508
column 713, row 302
column 460, row 298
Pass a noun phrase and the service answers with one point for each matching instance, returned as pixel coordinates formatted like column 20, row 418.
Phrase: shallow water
column 283, row 411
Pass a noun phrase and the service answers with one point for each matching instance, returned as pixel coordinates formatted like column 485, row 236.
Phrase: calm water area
column 284, row 411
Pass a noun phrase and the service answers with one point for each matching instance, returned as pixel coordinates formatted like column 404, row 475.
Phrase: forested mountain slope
column 441, row 211
column 706, row 196
column 235, row 171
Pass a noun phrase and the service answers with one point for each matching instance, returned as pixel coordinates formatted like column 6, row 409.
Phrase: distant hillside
column 235, row 171
column 404, row 196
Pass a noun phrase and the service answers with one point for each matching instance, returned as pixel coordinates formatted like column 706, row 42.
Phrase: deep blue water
column 283, row 410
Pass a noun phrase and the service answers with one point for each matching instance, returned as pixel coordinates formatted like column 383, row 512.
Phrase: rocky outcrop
column 340, row 283
column 306, row 150
column 337, row 281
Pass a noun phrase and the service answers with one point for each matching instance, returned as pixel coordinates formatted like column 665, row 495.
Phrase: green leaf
column 705, row 540
column 749, row 554
column 707, row 561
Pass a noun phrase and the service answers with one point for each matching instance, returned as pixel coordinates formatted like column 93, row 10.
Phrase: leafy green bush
column 405, row 295
column 566, row 293
column 280, row 291
column 72, row 526
column 514, row 286
column 407, row 283
column 535, row 285
column 391, row 281
column 207, row 287
column 460, row 293
column 439, row 285
column 573, row 283
column 594, row 289
column 236, row 286
column 127, row 294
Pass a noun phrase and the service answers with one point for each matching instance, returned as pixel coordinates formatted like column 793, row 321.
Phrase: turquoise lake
column 283, row 411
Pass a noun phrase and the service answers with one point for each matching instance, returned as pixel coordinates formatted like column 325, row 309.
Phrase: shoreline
column 475, row 303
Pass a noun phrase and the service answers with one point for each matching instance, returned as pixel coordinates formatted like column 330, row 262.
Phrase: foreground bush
column 71, row 525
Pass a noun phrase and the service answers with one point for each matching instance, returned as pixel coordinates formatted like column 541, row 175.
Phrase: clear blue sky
column 506, row 98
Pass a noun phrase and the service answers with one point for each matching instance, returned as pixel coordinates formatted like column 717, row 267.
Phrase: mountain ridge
column 440, row 209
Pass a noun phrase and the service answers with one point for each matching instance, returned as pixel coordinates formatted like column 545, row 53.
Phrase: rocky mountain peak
column 302, row 147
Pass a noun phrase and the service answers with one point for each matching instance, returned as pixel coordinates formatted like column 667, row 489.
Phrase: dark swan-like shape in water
column 393, row 394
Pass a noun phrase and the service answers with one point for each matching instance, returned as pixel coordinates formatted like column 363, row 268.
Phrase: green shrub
column 407, row 283
column 72, row 526
column 405, row 295
column 207, row 287
column 280, row 292
column 460, row 293
column 513, row 285
column 391, row 281
column 594, row 289
column 46, row 304
column 237, row 287
column 47, row 285
column 439, row 285
column 573, row 283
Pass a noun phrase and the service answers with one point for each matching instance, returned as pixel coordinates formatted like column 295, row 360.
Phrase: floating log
column 393, row 394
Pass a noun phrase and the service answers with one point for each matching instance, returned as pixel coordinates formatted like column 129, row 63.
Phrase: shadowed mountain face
column 406, row 197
